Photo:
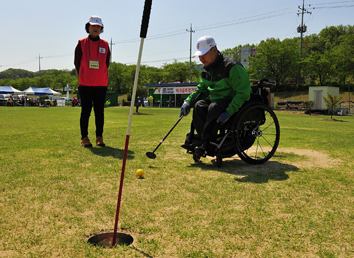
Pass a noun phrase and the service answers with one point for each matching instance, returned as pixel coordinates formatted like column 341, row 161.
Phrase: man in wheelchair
column 224, row 87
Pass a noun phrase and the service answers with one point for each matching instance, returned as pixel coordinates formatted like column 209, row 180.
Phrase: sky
column 43, row 34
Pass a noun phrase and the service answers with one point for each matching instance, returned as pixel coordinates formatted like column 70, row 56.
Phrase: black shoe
column 191, row 146
column 200, row 151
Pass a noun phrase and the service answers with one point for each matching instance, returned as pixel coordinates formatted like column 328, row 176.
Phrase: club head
column 151, row 155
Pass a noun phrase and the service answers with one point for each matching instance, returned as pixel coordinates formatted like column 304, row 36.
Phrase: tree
column 62, row 79
column 16, row 74
column 331, row 102
column 236, row 51
column 117, row 76
column 319, row 66
column 274, row 60
column 233, row 52
column 344, row 58
column 150, row 75
column 308, row 105
column 176, row 71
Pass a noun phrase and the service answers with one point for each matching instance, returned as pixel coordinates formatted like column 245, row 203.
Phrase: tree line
column 326, row 58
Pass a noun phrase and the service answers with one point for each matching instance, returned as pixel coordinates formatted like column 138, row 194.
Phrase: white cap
column 95, row 20
column 204, row 44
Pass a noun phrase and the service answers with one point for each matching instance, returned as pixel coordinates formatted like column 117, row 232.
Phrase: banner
column 175, row 90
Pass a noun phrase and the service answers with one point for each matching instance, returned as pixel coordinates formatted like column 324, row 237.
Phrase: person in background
column 170, row 101
column 137, row 104
column 92, row 55
column 151, row 100
column 224, row 87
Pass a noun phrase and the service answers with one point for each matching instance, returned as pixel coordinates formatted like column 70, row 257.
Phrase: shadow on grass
column 334, row 120
column 144, row 254
column 269, row 171
column 140, row 114
column 111, row 152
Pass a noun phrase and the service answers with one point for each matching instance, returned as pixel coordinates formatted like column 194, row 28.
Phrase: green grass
column 54, row 194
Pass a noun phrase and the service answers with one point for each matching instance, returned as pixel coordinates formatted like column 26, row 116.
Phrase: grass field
column 55, row 194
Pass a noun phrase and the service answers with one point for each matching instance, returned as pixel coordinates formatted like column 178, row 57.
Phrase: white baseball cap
column 95, row 20
column 204, row 44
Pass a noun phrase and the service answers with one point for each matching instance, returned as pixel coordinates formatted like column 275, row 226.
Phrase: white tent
column 10, row 90
column 55, row 93
column 41, row 91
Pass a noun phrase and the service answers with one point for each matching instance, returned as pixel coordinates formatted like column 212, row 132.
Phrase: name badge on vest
column 94, row 64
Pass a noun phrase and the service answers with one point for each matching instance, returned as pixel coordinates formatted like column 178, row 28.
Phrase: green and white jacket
column 225, row 79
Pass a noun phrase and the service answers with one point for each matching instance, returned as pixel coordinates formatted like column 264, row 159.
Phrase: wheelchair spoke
column 257, row 134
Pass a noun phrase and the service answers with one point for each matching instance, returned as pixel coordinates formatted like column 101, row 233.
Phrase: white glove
column 185, row 109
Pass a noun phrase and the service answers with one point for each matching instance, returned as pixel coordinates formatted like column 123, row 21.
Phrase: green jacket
column 225, row 79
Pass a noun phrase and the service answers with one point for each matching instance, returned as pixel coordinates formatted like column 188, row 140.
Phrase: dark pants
column 205, row 114
column 95, row 96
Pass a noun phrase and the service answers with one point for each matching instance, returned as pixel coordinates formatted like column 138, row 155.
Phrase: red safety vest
column 94, row 55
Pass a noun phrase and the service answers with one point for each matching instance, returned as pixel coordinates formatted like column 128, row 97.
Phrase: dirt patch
column 297, row 112
column 312, row 158
column 308, row 159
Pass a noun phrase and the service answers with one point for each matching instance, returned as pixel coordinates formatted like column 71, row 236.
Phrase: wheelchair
column 252, row 133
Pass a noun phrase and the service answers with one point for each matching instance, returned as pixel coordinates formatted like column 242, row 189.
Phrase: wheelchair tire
column 196, row 158
column 256, row 134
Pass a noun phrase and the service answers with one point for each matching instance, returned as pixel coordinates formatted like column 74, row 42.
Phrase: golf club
column 152, row 155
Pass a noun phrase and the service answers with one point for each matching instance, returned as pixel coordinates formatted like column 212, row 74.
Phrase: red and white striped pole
column 143, row 32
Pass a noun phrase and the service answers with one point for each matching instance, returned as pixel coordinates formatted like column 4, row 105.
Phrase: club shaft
column 192, row 104
column 168, row 134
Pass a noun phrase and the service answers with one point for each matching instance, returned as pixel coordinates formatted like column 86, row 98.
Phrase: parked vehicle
column 3, row 99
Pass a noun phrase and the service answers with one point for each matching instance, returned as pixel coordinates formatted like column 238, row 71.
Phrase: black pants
column 205, row 114
column 95, row 96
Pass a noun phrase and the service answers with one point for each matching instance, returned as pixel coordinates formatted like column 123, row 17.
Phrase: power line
column 162, row 60
column 22, row 62
column 62, row 55
column 217, row 25
column 338, row 2
column 251, row 19
column 332, row 7
column 269, row 15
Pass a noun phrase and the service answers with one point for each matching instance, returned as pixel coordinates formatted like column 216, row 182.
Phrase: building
column 245, row 53
column 162, row 92
column 317, row 93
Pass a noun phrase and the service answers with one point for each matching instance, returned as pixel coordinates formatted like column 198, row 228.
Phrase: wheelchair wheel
column 196, row 158
column 256, row 134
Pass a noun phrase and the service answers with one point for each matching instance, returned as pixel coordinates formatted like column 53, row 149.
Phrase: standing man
column 92, row 57
column 151, row 100
column 226, row 81
column 170, row 101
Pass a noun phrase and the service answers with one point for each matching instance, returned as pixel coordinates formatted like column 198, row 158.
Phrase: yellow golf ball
column 139, row 173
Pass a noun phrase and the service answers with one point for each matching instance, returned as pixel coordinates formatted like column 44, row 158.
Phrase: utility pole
column 190, row 54
column 110, row 59
column 301, row 29
column 39, row 60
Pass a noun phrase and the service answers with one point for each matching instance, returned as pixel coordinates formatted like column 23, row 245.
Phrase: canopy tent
column 55, row 93
column 40, row 91
column 9, row 90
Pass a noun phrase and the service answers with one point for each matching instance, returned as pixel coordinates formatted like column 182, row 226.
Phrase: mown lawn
column 55, row 194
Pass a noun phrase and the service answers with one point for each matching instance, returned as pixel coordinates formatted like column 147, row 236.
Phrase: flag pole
column 143, row 32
